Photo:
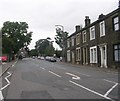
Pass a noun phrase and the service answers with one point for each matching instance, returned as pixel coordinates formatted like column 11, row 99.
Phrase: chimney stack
column 87, row 21
column 78, row 28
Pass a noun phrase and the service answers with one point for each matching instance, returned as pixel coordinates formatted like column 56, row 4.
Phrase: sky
column 43, row 15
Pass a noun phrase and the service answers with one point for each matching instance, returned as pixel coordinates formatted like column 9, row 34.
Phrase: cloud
column 43, row 15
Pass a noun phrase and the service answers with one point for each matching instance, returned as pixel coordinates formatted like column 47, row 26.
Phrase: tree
column 15, row 36
column 33, row 52
column 45, row 46
column 60, row 40
column 60, row 37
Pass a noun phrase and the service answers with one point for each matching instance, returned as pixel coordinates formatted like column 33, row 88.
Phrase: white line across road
column 1, row 96
column 6, row 78
column 106, row 94
column 115, row 84
column 109, row 81
column 54, row 74
column 91, row 90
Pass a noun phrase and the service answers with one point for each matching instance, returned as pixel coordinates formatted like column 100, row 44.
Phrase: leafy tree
column 45, row 46
column 60, row 37
column 33, row 52
column 15, row 36
column 58, row 53
column 60, row 40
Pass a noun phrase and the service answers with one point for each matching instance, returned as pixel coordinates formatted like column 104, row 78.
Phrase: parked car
column 47, row 58
column 20, row 57
column 52, row 59
column 42, row 58
column 3, row 58
column 39, row 57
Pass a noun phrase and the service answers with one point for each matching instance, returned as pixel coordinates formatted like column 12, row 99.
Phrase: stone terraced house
column 98, row 43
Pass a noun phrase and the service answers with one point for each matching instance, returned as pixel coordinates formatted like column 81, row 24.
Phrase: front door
column 103, row 56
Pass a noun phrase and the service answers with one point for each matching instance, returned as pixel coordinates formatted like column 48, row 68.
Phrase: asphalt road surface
column 40, row 79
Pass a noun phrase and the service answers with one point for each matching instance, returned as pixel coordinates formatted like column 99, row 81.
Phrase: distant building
column 98, row 43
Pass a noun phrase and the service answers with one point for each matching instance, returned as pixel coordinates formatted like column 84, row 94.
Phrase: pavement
column 94, row 68
column 5, row 66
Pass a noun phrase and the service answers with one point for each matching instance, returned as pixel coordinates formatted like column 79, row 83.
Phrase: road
column 40, row 79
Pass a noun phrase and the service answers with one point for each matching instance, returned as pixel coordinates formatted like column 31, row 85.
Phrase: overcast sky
column 43, row 15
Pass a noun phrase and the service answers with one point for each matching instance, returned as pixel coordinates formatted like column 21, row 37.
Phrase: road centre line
column 84, row 74
column 6, row 78
column 108, row 92
column 90, row 90
column 1, row 96
column 74, row 76
column 54, row 74
column 42, row 68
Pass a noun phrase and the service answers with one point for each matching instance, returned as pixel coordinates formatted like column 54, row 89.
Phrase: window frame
column 116, row 23
column 93, row 54
column 102, row 29
column 78, row 39
column 118, row 52
column 92, row 34
column 84, row 36
column 78, row 54
column 68, row 43
column 72, row 41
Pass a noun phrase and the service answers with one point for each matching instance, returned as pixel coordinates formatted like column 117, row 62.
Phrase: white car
column 42, row 58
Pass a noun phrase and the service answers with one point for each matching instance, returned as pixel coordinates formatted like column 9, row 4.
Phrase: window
column 93, row 54
column 78, row 54
column 92, row 33
column 84, row 36
column 102, row 28
column 72, row 41
column 117, row 53
column 68, row 43
column 77, row 39
column 116, row 23
column 68, row 55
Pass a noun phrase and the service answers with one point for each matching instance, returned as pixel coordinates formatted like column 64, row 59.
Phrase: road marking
column 42, row 68
column 1, row 96
column 109, row 81
column 84, row 74
column 6, row 78
column 90, row 90
column 54, row 74
column 74, row 76
column 108, row 92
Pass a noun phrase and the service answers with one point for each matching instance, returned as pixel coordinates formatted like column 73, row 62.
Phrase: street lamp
column 58, row 27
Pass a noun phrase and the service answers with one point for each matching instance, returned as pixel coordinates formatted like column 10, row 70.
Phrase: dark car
column 52, row 59
column 20, row 57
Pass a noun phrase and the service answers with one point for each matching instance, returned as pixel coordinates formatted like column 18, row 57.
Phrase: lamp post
column 58, row 26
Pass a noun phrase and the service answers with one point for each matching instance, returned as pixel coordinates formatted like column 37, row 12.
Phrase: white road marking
column 106, row 94
column 42, row 68
column 109, row 81
column 74, row 76
column 54, row 74
column 83, row 74
column 6, row 78
column 1, row 96
column 91, row 90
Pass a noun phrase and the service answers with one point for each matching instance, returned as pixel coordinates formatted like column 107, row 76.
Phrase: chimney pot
column 87, row 21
